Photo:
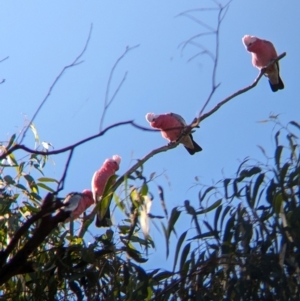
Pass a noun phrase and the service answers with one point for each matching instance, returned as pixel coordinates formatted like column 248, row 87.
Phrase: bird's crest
column 117, row 159
column 87, row 193
column 248, row 40
column 150, row 117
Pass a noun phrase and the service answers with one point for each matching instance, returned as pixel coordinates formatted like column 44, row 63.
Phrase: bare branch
column 4, row 59
column 73, row 146
column 108, row 101
column 73, row 64
column 205, row 51
column 197, row 21
column 185, row 43
column 241, row 91
column 60, row 185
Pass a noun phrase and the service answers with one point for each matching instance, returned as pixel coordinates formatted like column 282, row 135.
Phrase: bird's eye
column 249, row 44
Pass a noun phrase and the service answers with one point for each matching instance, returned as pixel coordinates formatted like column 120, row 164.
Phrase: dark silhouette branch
column 60, row 185
column 46, row 209
column 73, row 64
column 73, row 146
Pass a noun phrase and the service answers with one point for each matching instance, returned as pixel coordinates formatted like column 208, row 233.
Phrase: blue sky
column 41, row 37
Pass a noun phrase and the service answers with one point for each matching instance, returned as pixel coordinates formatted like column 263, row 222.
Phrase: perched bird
column 100, row 178
column 262, row 53
column 77, row 202
column 171, row 126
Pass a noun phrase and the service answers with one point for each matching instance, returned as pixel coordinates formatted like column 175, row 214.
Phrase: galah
column 100, row 178
column 262, row 53
column 77, row 202
column 171, row 126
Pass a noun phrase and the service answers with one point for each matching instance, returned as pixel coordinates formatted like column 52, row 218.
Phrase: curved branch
column 73, row 64
column 73, row 146
column 107, row 102
column 60, row 185
column 239, row 92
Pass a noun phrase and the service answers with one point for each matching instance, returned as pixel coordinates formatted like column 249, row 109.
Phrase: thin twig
column 4, row 59
column 214, row 85
column 60, row 185
column 107, row 101
column 73, row 64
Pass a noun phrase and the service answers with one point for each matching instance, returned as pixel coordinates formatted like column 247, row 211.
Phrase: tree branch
column 241, row 91
column 107, row 102
column 73, row 64
column 73, row 146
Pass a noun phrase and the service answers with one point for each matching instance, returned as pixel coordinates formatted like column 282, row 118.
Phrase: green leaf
column 13, row 159
column 277, row 138
column 20, row 186
column 226, row 182
column 167, row 239
column 257, row 184
column 278, row 203
column 211, row 207
column 103, row 206
column 9, row 180
column 217, row 214
column 152, row 175
column 43, row 179
column 204, row 235
column 135, row 255
column 31, row 183
column 224, row 214
column 34, row 131
column 278, row 156
column 184, row 255
column 247, row 173
column 144, row 189
column 163, row 275
column 294, row 123
column 228, row 235
column 173, row 219
column 283, row 172
column 45, row 187
column 11, row 141
column 201, row 198
column 35, row 196
column 179, row 243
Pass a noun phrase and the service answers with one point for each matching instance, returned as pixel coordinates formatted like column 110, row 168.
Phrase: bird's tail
column 277, row 86
column 105, row 221
column 196, row 147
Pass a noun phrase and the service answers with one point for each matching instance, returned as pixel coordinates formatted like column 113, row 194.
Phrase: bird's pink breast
column 165, row 123
column 262, row 53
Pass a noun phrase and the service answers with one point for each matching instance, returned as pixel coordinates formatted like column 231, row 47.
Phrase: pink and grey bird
column 100, row 178
column 77, row 202
column 262, row 53
column 171, row 126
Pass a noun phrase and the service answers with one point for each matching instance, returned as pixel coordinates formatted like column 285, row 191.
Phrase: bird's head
column 87, row 193
column 248, row 40
column 150, row 117
column 117, row 159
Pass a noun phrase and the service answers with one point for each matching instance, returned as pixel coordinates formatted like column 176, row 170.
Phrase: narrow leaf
column 179, row 243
